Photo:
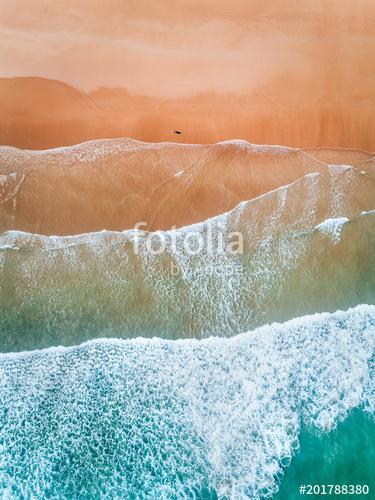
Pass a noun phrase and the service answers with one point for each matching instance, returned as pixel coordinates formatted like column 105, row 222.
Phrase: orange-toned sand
column 113, row 184
column 293, row 72
column 40, row 114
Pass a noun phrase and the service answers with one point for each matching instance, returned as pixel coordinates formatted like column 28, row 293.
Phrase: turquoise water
column 220, row 417
column 166, row 386
column 345, row 455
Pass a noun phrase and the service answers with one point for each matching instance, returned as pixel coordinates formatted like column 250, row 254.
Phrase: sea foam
column 179, row 419
column 65, row 290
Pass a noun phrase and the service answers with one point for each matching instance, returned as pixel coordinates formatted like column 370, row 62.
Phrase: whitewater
column 152, row 418
column 233, row 378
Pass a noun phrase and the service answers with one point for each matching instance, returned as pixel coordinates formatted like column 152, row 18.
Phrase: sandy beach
column 299, row 75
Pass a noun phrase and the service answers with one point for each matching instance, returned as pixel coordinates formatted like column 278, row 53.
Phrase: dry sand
column 299, row 73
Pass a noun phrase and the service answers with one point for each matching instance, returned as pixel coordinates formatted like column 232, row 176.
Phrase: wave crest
column 179, row 418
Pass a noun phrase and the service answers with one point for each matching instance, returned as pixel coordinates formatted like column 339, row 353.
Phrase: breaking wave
column 307, row 247
column 155, row 391
column 155, row 418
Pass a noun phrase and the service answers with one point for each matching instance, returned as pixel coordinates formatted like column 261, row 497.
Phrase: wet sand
column 115, row 184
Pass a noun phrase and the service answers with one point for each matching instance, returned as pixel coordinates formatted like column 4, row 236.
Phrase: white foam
column 260, row 149
column 333, row 227
column 164, row 418
column 80, row 281
column 9, row 247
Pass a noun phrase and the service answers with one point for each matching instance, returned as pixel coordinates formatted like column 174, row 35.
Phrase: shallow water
column 173, row 384
column 295, row 260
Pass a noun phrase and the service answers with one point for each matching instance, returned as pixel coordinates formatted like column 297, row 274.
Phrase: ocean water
column 345, row 455
column 179, row 374
column 317, row 231
column 219, row 417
